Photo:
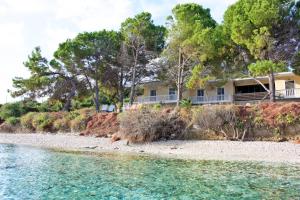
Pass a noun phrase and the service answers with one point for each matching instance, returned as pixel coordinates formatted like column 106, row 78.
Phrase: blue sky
column 25, row 24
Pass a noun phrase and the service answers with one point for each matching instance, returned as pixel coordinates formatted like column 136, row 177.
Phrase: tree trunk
column 179, row 80
column 121, row 92
column 68, row 104
column 96, row 99
column 132, row 91
column 272, row 86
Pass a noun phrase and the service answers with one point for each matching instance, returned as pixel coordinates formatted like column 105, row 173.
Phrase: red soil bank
column 102, row 125
column 270, row 111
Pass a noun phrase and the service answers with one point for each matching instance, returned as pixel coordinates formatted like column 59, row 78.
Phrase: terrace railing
column 157, row 99
column 212, row 99
column 288, row 93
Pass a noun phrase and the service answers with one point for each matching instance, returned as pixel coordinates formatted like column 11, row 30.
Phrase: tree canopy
column 256, row 38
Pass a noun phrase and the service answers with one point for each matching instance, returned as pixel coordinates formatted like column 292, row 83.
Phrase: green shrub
column 62, row 125
column 78, row 124
column 13, row 121
column 146, row 125
column 26, row 121
column 43, row 122
column 157, row 106
column 11, row 110
column 186, row 103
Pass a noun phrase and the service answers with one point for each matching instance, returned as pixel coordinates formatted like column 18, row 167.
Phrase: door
column 220, row 94
column 289, row 88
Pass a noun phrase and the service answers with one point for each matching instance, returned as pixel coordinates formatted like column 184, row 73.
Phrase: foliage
column 188, row 28
column 11, row 110
column 186, row 103
column 146, row 125
column 78, row 124
column 42, row 122
column 143, row 41
column 13, row 121
column 80, row 118
column 265, row 67
column 62, row 125
column 26, row 121
column 251, row 22
column 227, row 120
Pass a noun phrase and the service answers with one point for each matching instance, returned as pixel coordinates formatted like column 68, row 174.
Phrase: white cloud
column 25, row 6
column 93, row 15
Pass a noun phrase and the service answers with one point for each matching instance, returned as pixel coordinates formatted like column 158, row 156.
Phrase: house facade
column 241, row 90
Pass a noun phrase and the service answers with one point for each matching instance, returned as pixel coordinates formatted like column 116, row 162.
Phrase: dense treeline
column 257, row 37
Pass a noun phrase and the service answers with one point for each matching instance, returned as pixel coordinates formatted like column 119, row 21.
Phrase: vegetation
column 147, row 125
column 257, row 37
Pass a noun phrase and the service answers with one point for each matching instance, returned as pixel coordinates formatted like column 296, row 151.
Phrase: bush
column 26, row 121
column 11, row 110
column 13, row 121
column 146, row 125
column 78, row 124
column 231, row 121
column 62, row 125
column 43, row 122
column 80, row 118
column 186, row 103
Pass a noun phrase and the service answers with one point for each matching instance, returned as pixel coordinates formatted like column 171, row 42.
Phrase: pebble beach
column 285, row 152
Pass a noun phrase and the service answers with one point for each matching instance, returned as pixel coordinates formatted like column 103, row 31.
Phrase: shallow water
column 32, row 173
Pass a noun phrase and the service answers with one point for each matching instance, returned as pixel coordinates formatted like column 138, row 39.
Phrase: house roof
column 279, row 74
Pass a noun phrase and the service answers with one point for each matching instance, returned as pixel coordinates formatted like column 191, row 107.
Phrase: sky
column 25, row 24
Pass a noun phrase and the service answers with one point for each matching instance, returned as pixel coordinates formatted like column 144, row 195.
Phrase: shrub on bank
column 233, row 122
column 13, row 121
column 62, row 125
column 11, row 110
column 74, row 121
column 146, row 125
column 42, row 122
column 26, row 121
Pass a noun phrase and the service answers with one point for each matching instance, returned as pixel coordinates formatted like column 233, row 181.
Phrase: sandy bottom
column 197, row 150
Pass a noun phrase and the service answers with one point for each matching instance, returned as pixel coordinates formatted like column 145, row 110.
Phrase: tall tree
column 47, row 79
column 259, row 26
column 144, row 40
column 189, row 24
column 97, row 52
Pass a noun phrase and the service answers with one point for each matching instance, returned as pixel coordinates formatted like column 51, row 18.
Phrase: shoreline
column 284, row 152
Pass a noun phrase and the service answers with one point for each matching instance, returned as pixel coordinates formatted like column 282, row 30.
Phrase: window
column 220, row 94
column 289, row 88
column 152, row 95
column 250, row 89
column 200, row 95
column 172, row 93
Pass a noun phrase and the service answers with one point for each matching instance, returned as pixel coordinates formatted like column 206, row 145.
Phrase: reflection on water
column 31, row 173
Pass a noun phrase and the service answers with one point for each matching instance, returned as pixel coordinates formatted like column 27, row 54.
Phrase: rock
column 92, row 147
column 282, row 139
column 115, row 138
column 297, row 142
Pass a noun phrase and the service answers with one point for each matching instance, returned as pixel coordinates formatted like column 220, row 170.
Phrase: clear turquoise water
column 31, row 173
